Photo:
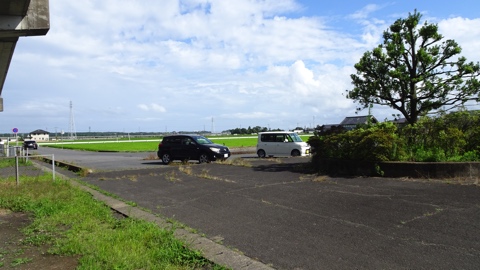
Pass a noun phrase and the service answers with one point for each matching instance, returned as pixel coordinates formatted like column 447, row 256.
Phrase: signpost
column 15, row 130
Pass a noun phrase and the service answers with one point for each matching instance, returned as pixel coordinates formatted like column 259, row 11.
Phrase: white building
column 39, row 135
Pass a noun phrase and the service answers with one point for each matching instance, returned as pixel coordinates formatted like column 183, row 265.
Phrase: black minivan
column 190, row 147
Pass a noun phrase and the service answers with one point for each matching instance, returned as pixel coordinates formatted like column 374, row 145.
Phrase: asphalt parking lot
column 278, row 213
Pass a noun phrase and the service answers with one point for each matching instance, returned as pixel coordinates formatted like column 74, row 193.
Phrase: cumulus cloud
column 302, row 79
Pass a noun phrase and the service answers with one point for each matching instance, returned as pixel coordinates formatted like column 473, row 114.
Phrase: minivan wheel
column 166, row 158
column 261, row 153
column 203, row 158
column 295, row 153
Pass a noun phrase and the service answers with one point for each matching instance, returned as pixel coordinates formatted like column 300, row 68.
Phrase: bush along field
column 453, row 137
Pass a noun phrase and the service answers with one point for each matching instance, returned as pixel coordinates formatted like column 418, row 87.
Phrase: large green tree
column 414, row 71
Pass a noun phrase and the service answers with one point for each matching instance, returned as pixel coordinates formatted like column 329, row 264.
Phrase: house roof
column 400, row 121
column 355, row 120
column 39, row 131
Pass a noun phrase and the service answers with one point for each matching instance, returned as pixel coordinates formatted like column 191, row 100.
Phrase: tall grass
column 72, row 223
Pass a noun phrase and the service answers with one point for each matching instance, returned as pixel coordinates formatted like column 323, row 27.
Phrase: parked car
column 30, row 144
column 190, row 147
column 281, row 143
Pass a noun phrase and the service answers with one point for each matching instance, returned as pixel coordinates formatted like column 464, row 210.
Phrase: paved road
column 109, row 161
column 281, row 215
column 103, row 161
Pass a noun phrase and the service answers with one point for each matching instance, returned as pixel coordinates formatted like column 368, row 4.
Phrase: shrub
column 448, row 137
column 374, row 143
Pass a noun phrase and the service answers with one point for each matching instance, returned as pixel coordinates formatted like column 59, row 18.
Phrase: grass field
column 150, row 145
column 71, row 223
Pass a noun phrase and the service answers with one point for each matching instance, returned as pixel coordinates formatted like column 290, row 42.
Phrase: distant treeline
column 251, row 130
column 53, row 135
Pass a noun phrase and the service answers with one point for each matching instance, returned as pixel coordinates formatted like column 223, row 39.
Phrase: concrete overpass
column 19, row 18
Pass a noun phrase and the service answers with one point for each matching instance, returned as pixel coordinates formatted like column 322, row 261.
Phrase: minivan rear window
column 280, row 137
column 272, row 137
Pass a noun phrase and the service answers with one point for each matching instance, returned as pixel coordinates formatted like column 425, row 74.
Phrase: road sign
column 15, row 130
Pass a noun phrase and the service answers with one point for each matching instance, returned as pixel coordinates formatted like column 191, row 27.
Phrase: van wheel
column 295, row 153
column 203, row 158
column 261, row 153
column 166, row 158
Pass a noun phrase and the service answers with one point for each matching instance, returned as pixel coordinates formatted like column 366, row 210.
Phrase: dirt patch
column 14, row 254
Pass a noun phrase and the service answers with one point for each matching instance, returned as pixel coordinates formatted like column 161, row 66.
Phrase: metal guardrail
column 19, row 169
column 9, row 151
column 13, row 151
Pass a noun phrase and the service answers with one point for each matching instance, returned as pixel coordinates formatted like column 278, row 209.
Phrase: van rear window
column 272, row 137
column 280, row 137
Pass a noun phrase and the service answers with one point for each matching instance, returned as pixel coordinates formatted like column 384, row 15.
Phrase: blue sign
column 15, row 130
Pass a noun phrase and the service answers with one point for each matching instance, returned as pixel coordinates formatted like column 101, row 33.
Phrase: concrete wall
column 24, row 18
column 436, row 170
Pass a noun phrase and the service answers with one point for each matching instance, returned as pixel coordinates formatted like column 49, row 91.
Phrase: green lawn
column 114, row 146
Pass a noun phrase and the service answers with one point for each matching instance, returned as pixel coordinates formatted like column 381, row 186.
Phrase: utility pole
column 73, row 133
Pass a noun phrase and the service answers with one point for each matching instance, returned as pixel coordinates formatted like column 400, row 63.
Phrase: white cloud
column 181, row 63
column 466, row 32
column 302, row 80
column 365, row 12
column 152, row 107
column 249, row 115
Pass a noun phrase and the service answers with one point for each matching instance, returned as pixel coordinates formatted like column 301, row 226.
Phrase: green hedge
column 447, row 137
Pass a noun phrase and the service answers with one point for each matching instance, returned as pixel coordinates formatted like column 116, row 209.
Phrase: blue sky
column 173, row 65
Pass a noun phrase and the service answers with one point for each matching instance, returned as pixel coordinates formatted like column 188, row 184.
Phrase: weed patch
column 151, row 156
column 186, row 170
column 20, row 261
column 204, row 173
column 172, row 177
column 236, row 162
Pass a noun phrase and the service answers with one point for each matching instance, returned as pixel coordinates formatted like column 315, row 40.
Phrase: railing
column 18, row 166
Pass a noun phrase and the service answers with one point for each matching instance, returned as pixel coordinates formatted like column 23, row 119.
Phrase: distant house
column 327, row 128
column 352, row 122
column 400, row 122
column 39, row 135
column 348, row 123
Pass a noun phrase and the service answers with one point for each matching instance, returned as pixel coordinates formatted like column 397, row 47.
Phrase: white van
column 281, row 143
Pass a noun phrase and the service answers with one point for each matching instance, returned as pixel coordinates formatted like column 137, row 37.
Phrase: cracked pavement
column 284, row 216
